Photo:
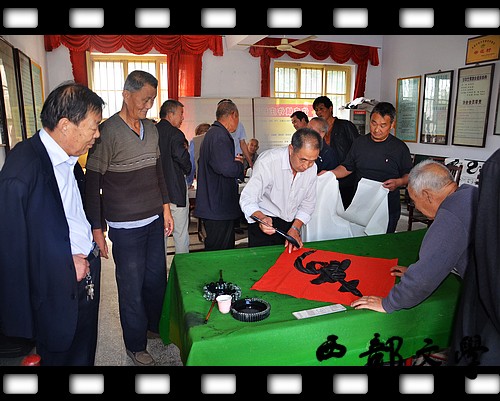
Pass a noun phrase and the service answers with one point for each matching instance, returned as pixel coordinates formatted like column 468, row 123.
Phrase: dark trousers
column 347, row 194
column 394, row 204
column 220, row 234
column 83, row 347
column 256, row 237
column 141, row 278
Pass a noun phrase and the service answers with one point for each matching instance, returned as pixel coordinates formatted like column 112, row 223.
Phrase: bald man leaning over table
column 447, row 246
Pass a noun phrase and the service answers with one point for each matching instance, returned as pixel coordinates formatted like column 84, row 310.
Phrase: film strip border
column 245, row 382
column 374, row 19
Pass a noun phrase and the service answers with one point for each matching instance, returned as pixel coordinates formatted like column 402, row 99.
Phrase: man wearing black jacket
column 217, row 199
column 50, row 286
column 476, row 336
column 176, row 163
column 340, row 136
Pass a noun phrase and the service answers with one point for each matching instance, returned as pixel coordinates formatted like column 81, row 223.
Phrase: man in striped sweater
column 125, row 167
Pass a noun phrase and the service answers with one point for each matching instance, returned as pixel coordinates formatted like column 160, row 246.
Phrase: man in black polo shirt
column 380, row 157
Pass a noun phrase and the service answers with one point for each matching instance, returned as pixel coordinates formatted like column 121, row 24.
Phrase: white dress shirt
column 275, row 191
column 80, row 232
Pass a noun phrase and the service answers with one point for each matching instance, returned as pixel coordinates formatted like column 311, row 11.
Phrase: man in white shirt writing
column 282, row 190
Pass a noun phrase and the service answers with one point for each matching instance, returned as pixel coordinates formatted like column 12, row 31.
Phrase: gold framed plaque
column 483, row 48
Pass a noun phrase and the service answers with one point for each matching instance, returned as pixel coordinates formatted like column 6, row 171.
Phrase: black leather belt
column 94, row 252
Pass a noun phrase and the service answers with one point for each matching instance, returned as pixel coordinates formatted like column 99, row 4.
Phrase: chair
column 414, row 215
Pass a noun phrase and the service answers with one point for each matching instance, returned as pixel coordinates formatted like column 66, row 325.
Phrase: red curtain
column 184, row 54
column 338, row 52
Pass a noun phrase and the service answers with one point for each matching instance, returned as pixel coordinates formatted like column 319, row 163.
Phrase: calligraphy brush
column 290, row 239
column 221, row 281
column 210, row 310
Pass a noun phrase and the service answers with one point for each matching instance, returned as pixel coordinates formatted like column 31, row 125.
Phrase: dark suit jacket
column 476, row 338
column 217, row 195
column 327, row 159
column 38, row 286
column 175, row 160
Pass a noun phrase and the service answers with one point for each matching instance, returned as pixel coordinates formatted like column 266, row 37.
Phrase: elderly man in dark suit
column 176, row 164
column 217, row 192
column 50, row 268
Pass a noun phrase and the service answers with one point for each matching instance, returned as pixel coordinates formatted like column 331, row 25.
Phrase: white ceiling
column 233, row 42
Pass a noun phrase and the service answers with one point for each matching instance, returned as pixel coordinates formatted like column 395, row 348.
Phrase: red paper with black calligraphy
column 336, row 277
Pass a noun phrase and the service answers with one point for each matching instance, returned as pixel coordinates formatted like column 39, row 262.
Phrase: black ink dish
column 250, row 309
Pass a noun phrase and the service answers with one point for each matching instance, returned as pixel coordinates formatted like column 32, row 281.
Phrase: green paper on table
column 328, row 276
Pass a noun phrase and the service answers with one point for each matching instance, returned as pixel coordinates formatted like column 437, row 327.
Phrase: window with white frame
column 297, row 80
column 107, row 74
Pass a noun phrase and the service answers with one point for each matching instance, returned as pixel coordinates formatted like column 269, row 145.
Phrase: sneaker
column 141, row 358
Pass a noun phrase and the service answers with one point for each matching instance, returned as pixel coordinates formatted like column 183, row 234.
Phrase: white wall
column 60, row 66
column 410, row 55
column 237, row 74
column 33, row 46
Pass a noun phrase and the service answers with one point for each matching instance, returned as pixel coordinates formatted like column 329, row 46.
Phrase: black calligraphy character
column 470, row 349
column 393, row 345
column 473, row 169
column 330, row 349
column 375, row 352
column 329, row 272
column 426, row 353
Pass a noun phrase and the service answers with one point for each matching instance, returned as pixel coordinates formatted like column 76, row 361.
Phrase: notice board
column 199, row 110
column 264, row 118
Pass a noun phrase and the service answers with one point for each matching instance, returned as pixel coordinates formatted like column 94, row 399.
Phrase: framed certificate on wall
column 38, row 94
column 23, row 63
column 436, row 108
column 407, row 108
column 472, row 105
column 12, row 113
column 497, row 117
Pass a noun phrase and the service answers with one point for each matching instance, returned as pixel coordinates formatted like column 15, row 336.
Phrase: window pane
column 335, row 82
column 109, row 73
column 108, row 84
column 148, row 66
column 285, row 80
column 311, row 82
column 336, row 89
column 163, row 83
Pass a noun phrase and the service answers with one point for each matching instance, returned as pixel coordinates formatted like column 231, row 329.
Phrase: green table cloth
column 348, row 338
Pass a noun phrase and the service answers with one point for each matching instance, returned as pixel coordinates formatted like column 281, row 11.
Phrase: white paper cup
column 224, row 303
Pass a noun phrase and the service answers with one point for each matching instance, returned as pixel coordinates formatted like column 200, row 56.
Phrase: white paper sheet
column 368, row 213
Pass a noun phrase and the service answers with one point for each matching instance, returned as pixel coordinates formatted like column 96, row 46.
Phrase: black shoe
column 13, row 347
